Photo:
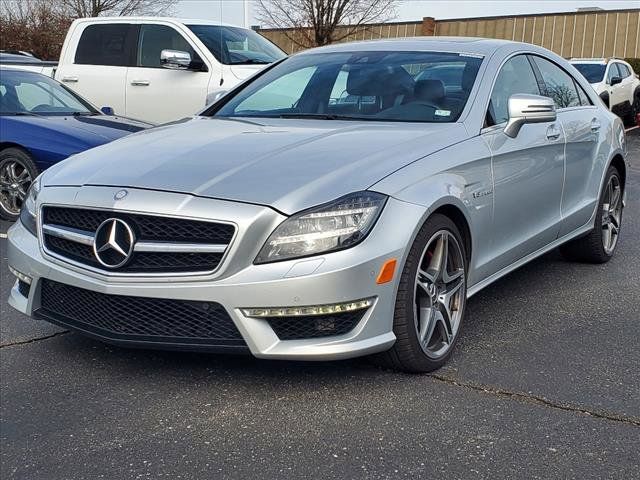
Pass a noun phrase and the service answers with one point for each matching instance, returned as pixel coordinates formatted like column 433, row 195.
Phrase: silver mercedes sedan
column 345, row 201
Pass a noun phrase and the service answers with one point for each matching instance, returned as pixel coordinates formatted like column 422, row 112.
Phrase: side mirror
column 107, row 110
column 524, row 108
column 175, row 59
column 615, row 81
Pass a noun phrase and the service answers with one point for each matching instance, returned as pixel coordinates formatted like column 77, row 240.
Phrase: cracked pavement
column 544, row 383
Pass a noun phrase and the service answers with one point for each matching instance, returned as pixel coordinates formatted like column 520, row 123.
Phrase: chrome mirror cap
column 175, row 59
column 524, row 108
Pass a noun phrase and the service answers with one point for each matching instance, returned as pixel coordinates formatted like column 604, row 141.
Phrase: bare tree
column 36, row 26
column 95, row 8
column 311, row 23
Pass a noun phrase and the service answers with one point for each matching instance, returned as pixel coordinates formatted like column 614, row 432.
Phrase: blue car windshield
column 367, row 85
column 28, row 93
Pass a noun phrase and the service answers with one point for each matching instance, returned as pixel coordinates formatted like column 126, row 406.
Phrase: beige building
column 603, row 33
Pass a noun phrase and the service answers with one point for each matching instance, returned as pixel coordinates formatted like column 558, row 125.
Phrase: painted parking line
column 3, row 235
column 632, row 128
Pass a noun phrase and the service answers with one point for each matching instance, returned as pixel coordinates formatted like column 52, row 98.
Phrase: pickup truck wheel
column 17, row 171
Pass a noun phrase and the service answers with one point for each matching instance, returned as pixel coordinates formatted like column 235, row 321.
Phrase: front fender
column 459, row 176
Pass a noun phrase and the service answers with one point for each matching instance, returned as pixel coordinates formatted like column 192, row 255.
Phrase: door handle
column 140, row 83
column 70, row 79
column 595, row 125
column 553, row 133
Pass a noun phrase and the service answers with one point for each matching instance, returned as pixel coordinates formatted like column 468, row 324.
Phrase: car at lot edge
column 42, row 123
column 616, row 83
column 159, row 69
column 290, row 225
column 25, row 61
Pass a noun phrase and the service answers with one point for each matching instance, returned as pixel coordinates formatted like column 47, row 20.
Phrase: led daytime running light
column 305, row 311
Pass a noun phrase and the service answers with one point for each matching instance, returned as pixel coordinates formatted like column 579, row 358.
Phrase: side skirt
column 524, row 260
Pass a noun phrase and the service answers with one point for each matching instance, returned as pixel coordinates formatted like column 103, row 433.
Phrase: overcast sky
column 233, row 10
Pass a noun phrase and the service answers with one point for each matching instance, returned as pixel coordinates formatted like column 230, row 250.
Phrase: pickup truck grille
column 160, row 245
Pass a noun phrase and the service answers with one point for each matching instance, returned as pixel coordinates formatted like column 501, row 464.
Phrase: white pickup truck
column 159, row 69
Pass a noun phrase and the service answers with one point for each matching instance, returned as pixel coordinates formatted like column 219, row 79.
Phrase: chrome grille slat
column 156, row 250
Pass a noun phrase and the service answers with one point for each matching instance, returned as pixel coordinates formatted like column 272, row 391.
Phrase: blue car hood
column 94, row 130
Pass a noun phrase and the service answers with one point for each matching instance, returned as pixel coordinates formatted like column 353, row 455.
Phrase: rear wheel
column 431, row 299
column 17, row 171
column 600, row 244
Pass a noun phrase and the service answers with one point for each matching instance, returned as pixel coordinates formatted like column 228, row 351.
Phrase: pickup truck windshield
column 593, row 72
column 373, row 86
column 237, row 46
column 28, row 93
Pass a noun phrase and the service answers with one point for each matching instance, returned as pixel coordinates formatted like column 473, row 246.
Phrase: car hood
column 288, row 164
column 95, row 129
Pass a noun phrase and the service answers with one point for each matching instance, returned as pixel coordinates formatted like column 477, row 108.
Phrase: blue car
column 41, row 123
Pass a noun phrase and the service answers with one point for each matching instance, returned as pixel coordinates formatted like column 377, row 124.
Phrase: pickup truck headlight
column 28, row 212
column 335, row 226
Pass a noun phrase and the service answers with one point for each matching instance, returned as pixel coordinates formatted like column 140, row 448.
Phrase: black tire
column 635, row 108
column 590, row 248
column 406, row 354
column 23, row 162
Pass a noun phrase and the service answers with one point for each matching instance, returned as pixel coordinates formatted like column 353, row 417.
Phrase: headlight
column 334, row 226
column 28, row 212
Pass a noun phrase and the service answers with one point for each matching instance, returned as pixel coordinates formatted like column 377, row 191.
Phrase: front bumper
column 328, row 279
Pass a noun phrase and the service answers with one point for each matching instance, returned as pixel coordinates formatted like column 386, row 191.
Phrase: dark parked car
column 41, row 123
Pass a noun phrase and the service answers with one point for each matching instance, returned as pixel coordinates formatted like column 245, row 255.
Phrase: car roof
column 18, row 58
column 470, row 45
column 143, row 19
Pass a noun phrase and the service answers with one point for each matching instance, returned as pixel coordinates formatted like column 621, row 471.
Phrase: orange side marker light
column 387, row 271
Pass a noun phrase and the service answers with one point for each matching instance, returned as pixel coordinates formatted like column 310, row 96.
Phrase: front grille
column 163, row 231
column 143, row 319
column 141, row 262
column 146, row 227
column 315, row 326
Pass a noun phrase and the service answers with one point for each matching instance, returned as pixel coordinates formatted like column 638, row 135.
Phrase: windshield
column 25, row 93
column 593, row 72
column 237, row 46
column 382, row 86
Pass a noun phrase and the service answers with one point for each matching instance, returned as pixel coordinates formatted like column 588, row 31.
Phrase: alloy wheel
column 440, row 293
column 611, row 214
column 15, row 180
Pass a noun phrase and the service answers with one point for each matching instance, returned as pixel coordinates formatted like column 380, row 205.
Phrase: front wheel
column 431, row 299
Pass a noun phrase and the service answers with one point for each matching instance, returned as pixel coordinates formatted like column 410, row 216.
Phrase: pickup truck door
column 157, row 94
column 97, row 68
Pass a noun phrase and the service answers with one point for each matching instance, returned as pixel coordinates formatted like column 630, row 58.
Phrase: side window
column 271, row 97
column 584, row 99
column 106, row 45
column 155, row 38
column 612, row 72
column 516, row 76
column 559, row 85
column 624, row 70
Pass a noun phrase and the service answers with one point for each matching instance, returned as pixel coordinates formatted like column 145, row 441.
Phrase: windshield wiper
column 84, row 114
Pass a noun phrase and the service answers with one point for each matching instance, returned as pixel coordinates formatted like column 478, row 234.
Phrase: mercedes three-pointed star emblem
column 113, row 243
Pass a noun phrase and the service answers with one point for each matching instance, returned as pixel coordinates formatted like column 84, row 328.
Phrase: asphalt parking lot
column 545, row 383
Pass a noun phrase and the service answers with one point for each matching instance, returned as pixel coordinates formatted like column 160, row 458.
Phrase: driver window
column 154, row 39
column 516, row 76
column 613, row 72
